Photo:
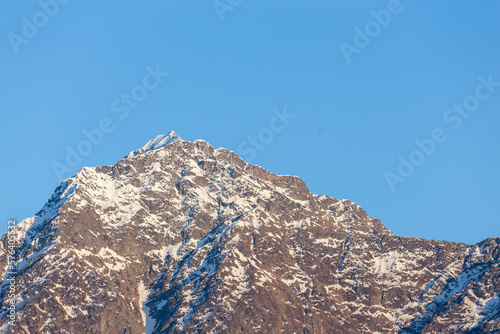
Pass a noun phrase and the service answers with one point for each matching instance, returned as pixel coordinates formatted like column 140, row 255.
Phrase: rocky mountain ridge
column 179, row 237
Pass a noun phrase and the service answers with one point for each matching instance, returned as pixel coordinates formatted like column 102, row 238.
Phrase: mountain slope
column 180, row 238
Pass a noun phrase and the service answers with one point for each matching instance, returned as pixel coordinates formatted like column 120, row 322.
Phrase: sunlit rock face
column 179, row 237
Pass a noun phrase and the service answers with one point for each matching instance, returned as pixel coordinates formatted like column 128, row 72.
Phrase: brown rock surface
column 181, row 238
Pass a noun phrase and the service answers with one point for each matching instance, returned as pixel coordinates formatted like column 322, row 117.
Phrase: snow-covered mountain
column 179, row 237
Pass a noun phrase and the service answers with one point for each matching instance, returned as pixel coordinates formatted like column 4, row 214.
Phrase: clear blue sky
column 353, row 119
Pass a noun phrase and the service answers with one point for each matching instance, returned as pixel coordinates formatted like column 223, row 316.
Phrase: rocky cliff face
column 180, row 238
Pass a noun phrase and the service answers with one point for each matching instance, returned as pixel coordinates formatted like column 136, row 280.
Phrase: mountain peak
column 156, row 143
column 198, row 241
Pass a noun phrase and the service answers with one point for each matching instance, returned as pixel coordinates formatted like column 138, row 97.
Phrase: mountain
column 179, row 237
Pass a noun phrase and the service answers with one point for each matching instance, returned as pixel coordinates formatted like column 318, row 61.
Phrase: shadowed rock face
column 181, row 238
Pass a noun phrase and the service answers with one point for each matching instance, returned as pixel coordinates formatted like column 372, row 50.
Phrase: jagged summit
column 156, row 143
column 191, row 239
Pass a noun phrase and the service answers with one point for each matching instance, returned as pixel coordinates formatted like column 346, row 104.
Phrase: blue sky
column 361, row 83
